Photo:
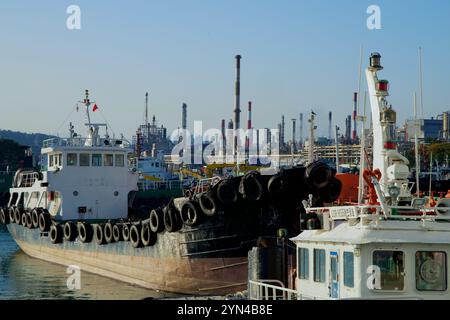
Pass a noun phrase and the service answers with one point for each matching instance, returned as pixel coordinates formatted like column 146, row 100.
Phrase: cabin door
column 334, row 275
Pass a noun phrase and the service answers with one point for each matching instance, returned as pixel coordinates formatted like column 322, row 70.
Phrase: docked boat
column 78, row 209
column 391, row 246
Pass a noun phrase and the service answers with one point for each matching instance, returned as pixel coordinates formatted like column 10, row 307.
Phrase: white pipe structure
column 385, row 153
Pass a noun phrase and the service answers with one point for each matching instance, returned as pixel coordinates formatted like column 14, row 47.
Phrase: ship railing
column 28, row 179
column 270, row 290
column 148, row 185
column 204, row 185
column 81, row 142
column 375, row 212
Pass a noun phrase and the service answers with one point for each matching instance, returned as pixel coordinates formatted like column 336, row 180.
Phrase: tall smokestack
column 283, row 124
column 249, row 126
column 330, row 122
column 237, row 101
column 294, row 149
column 146, row 110
column 184, row 117
column 249, row 123
column 355, row 105
column 348, row 129
column 301, row 130
column 224, row 146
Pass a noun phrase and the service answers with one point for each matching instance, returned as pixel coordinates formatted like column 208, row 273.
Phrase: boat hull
column 169, row 266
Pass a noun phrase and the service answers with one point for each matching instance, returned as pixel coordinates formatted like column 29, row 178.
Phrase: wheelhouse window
column 51, row 160
column 319, row 265
column 349, row 269
column 392, row 269
column 108, row 160
column 120, row 160
column 431, row 271
column 96, row 160
column 84, row 160
column 303, row 263
column 72, row 159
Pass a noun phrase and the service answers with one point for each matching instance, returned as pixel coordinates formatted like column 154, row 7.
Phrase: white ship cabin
column 363, row 254
column 79, row 179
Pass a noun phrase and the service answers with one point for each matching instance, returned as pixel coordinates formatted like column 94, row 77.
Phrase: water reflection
column 23, row 277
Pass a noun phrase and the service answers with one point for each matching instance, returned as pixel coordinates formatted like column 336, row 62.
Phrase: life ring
column 148, row 237
column 85, row 232
column 135, row 236
column 56, row 233
column 157, row 220
column 190, row 213
column 70, row 231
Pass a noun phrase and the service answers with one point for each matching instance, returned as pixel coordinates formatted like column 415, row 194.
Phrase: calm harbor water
column 23, row 277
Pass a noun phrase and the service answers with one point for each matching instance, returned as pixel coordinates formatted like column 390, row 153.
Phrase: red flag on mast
column 95, row 108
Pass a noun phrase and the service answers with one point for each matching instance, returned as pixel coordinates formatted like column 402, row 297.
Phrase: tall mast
column 416, row 146
column 362, row 162
column 87, row 103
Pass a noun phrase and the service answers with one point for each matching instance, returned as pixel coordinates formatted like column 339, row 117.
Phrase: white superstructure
column 80, row 178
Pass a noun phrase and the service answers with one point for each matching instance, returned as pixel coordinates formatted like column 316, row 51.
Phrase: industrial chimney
column 355, row 104
column 237, row 107
column 330, row 122
column 184, row 117
column 293, row 136
column 301, row 130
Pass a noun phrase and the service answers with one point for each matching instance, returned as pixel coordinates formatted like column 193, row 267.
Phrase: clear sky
column 297, row 55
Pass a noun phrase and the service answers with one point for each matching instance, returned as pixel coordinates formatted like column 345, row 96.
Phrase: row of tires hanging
column 285, row 189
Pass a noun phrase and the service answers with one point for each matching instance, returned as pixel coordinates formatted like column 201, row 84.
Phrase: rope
column 67, row 118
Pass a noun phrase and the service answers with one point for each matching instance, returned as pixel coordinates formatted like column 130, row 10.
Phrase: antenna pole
column 87, row 103
column 416, row 146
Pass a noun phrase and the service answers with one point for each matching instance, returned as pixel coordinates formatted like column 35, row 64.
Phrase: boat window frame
column 81, row 155
column 346, row 269
column 404, row 268
column 105, row 156
column 303, row 263
column 75, row 164
column 319, row 271
column 122, row 156
column 96, row 156
column 445, row 268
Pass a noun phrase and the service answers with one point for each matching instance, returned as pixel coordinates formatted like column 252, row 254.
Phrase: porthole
column 75, row 193
column 116, row 193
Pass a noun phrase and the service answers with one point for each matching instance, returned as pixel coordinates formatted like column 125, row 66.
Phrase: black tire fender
column 148, row 237
column 157, row 220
